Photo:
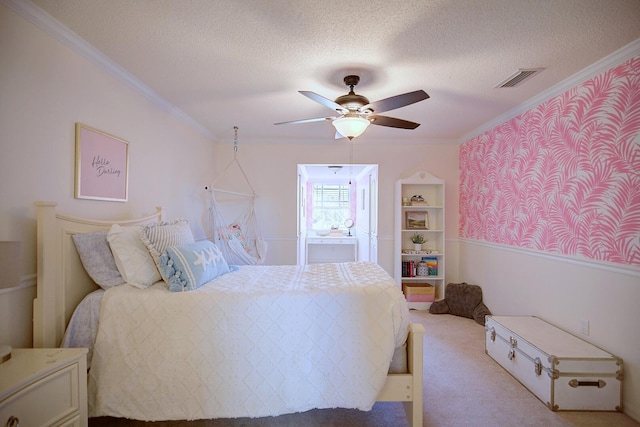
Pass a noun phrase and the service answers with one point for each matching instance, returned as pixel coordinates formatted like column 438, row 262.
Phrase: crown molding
column 606, row 63
column 59, row 32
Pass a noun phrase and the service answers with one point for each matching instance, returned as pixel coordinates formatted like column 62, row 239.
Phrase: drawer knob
column 13, row 422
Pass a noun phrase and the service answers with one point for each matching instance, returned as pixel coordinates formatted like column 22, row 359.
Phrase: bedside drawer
column 47, row 402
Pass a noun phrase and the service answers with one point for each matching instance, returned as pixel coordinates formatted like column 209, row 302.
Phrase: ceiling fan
column 356, row 112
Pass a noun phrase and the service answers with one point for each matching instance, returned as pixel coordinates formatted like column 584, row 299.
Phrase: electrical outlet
column 584, row 326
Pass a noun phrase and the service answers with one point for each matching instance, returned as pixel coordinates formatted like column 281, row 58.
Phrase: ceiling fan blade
column 394, row 102
column 317, row 119
column 324, row 101
column 392, row 122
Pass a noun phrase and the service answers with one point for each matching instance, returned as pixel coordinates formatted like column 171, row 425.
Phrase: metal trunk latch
column 512, row 352
column 537, row 366
column 493, row 334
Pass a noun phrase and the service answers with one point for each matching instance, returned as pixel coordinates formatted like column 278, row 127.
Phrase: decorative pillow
column 188, row 267
column 439, row 307
column 132, row 257
column 231, row 232
column 480, row 313
column 97, row 258
column 462, row 299
column 159, row 236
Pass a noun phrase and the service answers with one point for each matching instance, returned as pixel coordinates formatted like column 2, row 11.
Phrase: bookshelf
column 422, row 271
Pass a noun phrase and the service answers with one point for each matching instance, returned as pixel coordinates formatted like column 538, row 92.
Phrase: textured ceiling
column 239, row 62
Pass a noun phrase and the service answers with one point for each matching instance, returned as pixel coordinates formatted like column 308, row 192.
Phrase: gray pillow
column 480, row 313
column 462, row 299
column 97, row 258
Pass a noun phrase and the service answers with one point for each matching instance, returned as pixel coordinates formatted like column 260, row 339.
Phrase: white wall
column 272, row 169
column 563, row 291
column 45, row 88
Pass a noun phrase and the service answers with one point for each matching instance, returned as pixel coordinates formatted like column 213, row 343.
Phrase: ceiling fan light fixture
column 356, row 112
column 350, row 127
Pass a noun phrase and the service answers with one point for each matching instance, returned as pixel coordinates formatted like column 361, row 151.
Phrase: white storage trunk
column 563, row 371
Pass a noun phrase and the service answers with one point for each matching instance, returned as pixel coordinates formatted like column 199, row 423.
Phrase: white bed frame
column 62, row 283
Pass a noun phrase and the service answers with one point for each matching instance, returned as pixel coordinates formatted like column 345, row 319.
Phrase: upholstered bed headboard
column 62, row 281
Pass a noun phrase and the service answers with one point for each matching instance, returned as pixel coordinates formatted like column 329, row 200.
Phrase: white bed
column 63, row 283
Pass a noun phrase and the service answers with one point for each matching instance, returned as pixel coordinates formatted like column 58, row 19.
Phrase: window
column 330, row 205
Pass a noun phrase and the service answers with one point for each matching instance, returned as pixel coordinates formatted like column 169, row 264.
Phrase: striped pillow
column 159, row 236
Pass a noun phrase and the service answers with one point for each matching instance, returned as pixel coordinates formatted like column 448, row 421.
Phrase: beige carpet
column 462, row 387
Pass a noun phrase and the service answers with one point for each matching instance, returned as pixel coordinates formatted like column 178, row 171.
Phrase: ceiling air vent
column 518, row 77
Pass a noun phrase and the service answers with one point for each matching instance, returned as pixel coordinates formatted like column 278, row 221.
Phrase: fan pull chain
column 350, row 160
column 235, row 142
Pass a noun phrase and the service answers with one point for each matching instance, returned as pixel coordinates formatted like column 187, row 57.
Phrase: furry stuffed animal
column 462, row 299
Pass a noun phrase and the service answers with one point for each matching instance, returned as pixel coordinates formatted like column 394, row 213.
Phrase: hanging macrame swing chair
column 239, row 240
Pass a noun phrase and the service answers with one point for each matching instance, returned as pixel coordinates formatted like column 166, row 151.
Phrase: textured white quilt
column 260, row 341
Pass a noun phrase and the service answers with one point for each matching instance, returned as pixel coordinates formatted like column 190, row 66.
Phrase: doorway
column 324, row 230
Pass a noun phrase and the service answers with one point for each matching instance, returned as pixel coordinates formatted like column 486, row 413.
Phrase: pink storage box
column 420, row 297
column 419, row 292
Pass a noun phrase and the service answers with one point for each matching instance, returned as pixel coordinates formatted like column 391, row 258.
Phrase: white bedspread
column 261, row 341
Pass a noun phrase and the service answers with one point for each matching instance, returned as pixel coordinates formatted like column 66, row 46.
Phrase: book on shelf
column 409, row 268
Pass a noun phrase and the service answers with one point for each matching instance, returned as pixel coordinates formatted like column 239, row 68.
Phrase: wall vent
column 519, row 77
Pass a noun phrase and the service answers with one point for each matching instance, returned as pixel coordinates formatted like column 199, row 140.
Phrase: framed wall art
column 102, row 165
column 417, row 220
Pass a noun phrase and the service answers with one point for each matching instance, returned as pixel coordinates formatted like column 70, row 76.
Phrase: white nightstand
column 44, row 387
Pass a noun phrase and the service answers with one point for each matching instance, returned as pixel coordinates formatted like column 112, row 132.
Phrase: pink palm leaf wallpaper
column 563, row 177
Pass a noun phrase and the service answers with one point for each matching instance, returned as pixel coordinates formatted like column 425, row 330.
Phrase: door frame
column 364, row 176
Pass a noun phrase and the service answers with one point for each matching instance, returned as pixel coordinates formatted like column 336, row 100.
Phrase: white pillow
column 132, row 257
column 159, row 236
